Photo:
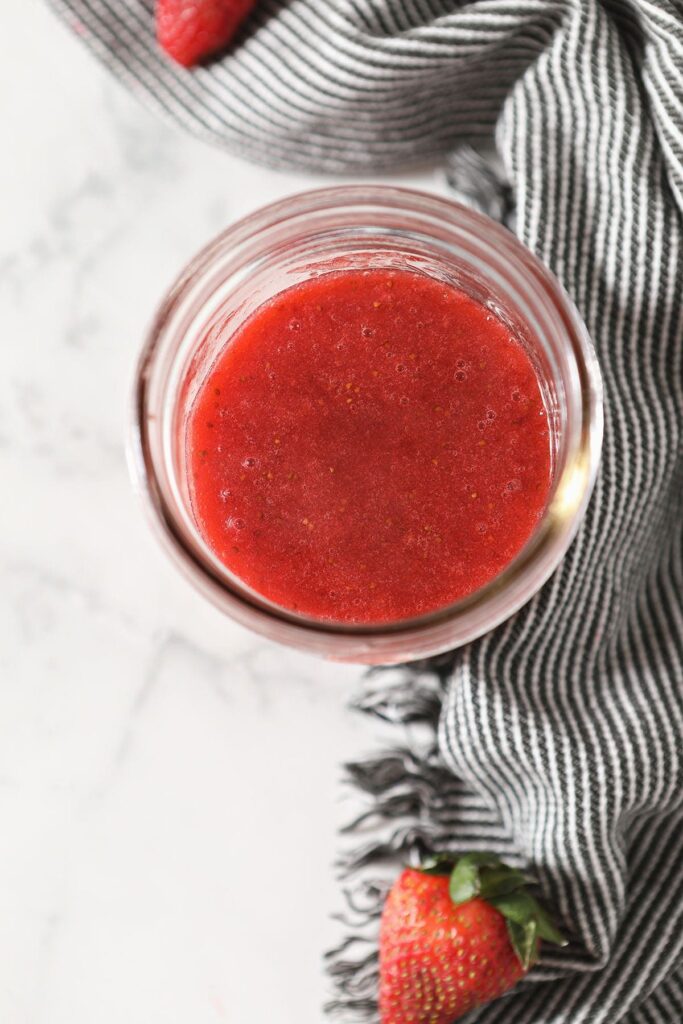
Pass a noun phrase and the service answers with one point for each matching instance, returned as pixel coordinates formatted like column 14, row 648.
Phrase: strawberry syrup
column 369, row 446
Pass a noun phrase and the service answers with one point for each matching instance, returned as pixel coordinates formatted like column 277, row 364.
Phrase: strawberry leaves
column 520, row 906
column 484, row 876
column 524, row 939
column 437, row 864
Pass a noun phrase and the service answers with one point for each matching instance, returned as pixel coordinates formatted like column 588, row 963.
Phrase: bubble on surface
column 403, row 400
column 294, row 325
column 513, row 485
column 367, row 332
column 249, row 462
column 460, row 375
column 224, row 494
column 235, row 523
column 401, row 368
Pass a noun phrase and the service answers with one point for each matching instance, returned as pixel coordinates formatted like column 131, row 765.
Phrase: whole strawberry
column 189, row 30
column 454, row 935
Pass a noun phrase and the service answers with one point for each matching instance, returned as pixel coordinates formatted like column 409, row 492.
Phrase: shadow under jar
column 380, row 234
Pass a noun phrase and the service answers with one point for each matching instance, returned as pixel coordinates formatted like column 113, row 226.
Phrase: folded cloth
column 558, row 737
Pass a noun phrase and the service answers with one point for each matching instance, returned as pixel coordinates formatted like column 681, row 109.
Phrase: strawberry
column 189, row 30
column 454, row 935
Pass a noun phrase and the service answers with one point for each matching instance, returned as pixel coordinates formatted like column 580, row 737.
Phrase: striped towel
column 557, row 739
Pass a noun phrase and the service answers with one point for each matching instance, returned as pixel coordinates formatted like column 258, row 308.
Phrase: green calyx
column 484, row 876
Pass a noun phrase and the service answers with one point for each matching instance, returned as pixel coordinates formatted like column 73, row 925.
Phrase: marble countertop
column 169, row 783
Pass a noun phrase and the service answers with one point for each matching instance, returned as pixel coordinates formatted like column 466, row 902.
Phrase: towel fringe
column 404, row 791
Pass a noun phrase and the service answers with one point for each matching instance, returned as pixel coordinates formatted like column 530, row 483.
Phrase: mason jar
column 346, row 228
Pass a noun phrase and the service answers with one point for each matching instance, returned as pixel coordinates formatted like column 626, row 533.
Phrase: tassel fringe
column 405, row 793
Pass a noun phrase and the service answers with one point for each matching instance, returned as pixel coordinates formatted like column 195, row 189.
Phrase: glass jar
column 346, row 228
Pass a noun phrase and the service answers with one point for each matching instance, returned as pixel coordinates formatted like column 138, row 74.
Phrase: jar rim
column 443, row 628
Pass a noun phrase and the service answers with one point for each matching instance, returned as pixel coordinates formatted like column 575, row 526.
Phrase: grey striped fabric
column 557, row 739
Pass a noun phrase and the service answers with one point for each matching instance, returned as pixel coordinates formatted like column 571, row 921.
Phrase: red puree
column 369, row 446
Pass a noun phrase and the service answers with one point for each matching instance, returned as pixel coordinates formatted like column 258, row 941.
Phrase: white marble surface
column 168, row 782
